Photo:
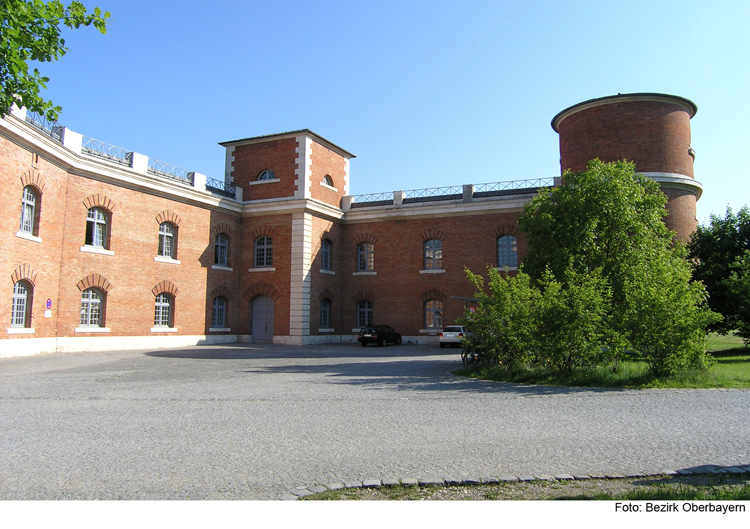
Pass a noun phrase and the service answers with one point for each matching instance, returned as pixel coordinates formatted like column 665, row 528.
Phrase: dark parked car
column 379, row 334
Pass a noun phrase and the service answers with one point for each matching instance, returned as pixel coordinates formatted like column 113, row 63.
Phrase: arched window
column 507, row 252
column 163, row 311
column 433, row 314
column 325, row 314
column 364, row 314
column 21, row 311
column 266, row 174
column 218, row 313
column 96, row 228
column 221, row 250
column 328, row 180
column 325, row 254
column 365, row 257
column 167, row 240
column 263, row 252
column 433, row 254
column 28, row 211
column 92, row 308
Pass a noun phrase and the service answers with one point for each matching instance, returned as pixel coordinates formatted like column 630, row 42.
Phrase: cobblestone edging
column 301, row 492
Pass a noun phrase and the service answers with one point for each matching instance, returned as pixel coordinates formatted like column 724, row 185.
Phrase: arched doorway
column 262, row 326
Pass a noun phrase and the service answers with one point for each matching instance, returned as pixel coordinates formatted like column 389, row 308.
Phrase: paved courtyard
column 250, row 422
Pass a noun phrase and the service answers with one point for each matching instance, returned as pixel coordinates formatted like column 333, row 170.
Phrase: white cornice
column 678, row 181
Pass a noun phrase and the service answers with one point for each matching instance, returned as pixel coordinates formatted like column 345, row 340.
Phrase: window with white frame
column 219, row 313
column 325, row 314
column 433, row 314
column 364, row 313
column 163, row 310
column 266, row 174
column 433, row 254
column 167, row 240
column 507, row 252
column 328, row 180
column 263, row 252
column 28, row 211
column 92, row 308
column 325, row 254
column 221, row 250
column 96, row 228
column 21, row 309
column 365, row 257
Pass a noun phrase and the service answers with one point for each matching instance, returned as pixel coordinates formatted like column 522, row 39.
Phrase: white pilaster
column 228, row 167
column 346, row 176
column 299, row 302
column 304, row 167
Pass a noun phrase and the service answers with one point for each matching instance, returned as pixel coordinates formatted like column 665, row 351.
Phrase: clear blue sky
column 424, row 93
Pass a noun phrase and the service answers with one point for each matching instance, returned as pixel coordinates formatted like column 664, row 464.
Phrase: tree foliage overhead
column 715, row 249
column 30, row 30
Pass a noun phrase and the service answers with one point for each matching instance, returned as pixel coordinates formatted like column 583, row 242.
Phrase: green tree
column 715, row 248
column 30, row 31
column 738, row 283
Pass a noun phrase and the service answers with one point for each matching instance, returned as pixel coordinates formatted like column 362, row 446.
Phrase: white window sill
column 28, row 236
column 329, row 187
column 269, row 181
column 162, row 259
column 20, row 330
column 92, row 329
column 430, row 331
column 433, row 271
column 96, row 249
column 225, row 268
column 325, row 330
column 163, row 329
column 262, row 269
column 329, row 272
column 364, row 273
column 219, row 329
column 504, row 268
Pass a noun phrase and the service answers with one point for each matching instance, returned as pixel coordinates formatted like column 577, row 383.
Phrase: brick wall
column 327, row 162
column 277, row 155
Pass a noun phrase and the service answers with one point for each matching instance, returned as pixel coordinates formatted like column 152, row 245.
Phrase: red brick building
column 105, row 249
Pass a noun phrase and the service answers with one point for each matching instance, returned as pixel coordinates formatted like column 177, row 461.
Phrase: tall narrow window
column 163, row 311
column 96, row 228
column 218, row 313
column 21, row 305
column 325, row 314
column 433, row 254
column 507, row 252
column 92, row 308
column 433, row 314
column 167, row 240
column 28, row 210
column 364, row 313
column 365, row 257
column 325, row 255
column 221, row 254
column 263, row 252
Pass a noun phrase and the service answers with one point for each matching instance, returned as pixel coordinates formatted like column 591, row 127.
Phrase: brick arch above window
column 507, row 229
column 99, row 201
column 221, row 292
column 224, row 228
column 364, row 295
column 326, row 294
column 33, row 177
column 168, row 216
column 262, row 231
column 94, row 281
column 24, row 272
column 261, row 289
column 432, row 233
column 366, row 237
column 165, row 287
column 433, row 294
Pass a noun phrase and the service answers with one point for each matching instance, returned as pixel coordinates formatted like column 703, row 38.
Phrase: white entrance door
column 262, row 319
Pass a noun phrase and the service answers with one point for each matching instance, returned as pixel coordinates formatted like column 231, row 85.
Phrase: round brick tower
column 652, row 130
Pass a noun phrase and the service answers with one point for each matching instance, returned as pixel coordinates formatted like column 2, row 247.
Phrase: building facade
column 105, row 249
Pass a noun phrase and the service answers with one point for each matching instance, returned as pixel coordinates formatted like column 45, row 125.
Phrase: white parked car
column 453, row 335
